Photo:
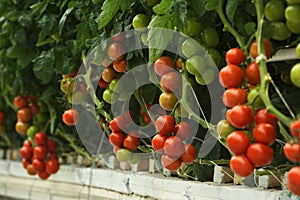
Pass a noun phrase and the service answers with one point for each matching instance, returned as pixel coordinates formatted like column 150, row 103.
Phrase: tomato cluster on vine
column 39, row 157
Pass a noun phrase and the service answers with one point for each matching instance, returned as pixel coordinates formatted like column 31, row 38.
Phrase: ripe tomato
column 120, row 66
column 118, row 37
column 163, row 65
column 240, row 116
column 170, row 81
column 293, row 180
column 165, row 124
column 267, row 46
column 40, row 152
column 231, row 76
column 252, row 73
column 264, row 133
column 2, row 117
column 158, row 142
column 167, row 100
column 262, row 116
column 52, row 146
column 140, row 22
column 292, row 152
column 21, row 127
column 295, row 128
column 189, row 154
column 146, row 118
column 102, row 84
column 117, row 124
column 131, row 142
column 52, row 166
column 38, row 165
column 174, row 146
column 27, row 143
column 30, row 170
column 170, row 163
column 25, row 163
column 24, row 114
column 41, row 139
column 238, row 142
column 234, row 96
column 109, row 74
column 224, row 128
column 43, row 175
column 26, row 152
column 260, row 154
column 70, row 75
column 34, row 108
column 116, row 139
column 241, row 165
column 235, row 56
column 115, row 51
column 183, row 130
column 70, row 117
column 20, row 101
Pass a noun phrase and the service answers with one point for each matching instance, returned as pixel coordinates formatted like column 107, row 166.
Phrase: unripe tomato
column 109, row 74
column 167, row 100
column 255, row 99
column 196, row 65
column 21, row 127
column 191, row 47
column 292, row 13
column 192, row 28
column 274, row 10
column 140, row 22
column 295, row 75
column 294, row 27
column 224, row 128
column 209, row 37
column 206, row 78
column 280, row 31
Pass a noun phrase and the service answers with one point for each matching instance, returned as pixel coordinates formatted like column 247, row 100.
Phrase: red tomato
column 295, row 128
column 240, row 116
column 116, row 139
column 170, row 163
column 165, row 124
column 292, row 152
column 52, row 146
column 115, row 51
column 120, row 66
column 70, row 117
column 170, row 81
column 52, row 166
column 293, row 180
column 267, row 46
column 41, row 139
column 183, row 130
column 189, row 154
column 146, row 118
column 2, row 116
column 38, row 165
column 117, row 124
column 262, row 116
column 30, row 170
column 264, row 133
column 27, row 143
column 131, row 142
column 158, row 142
column 238, row 142
column 163, row 65
column 24, row 114
column 102, row 84
column 40, row 152
column 260, row 155
column 234, row 96
column 118, row 37
column 241, row 166
column 231, row 76
column 34, row 108
column 70, row 75
column 25, row 163
column 20, row 101
column 43, row 175
column 26, row 152
column 174, row 146
column 235, row 56
column 252, row 73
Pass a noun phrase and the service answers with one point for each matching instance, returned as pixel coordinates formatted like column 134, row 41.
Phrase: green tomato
column 31, row 131
column 293, row 2
column 124, row 155
column 135, row 158
column 107, row 96
column 293, row 26
column 192, row 28
column 298, row 50
column 209, row 38
column 274, row 10
column 205, row 78
column 292, row 13
column 191, row 47
column 113, row 84
column 196, row 65
column 295, row 75
column 140, row 22
column 224, row 128
column 280, row 31
column 215, row 56
column 255, row 99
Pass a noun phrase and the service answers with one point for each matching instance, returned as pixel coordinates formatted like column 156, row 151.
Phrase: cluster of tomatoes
column 27, row 109
column 171, row 142
column 2, row 118
column 39, row 157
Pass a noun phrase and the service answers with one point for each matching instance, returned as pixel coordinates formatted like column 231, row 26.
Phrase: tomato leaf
column 163, row 7
column 231, row 8
column 109, row 9
column 181, row 11
column 63, row 19
column 198, row 7
column 211, row 4
column 250, row 27
column 43, row 67
column 21, row 53
column 126, row 4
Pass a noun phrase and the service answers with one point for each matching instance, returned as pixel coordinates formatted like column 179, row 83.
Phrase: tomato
column 294, row 27
column 260, row 155
column 196, row 65
column 231, row 76
column 163, row 65
column 290, row 2
column 70, row 75
column 190, row 47
column 295, row 75
column 192, row 28
column 117, row 124
column 52, row 166
column 206, row 78
column 30, row 170
column 165, row 124
column 292, row 13
column 27, row 143
column 170, row 81
column 264, row 133
column 241, row 165
column 26, row 152
column 38, row 165
column 274, row 10
column 120, row 66
column 20, row 101
column 255, row 99
column 70, row 117
column 2, row 117
column 118, row 37
column 295, row 128
column 178, row 64
column 252, row 73
column 21, row 127
column 234, row 96
column 183, row 130
column 25, row 163
column 43, row 175
column 34, row 108
column 293, row 180
column 24, row 114
column 140, row 22
column 267, row 46
column 66, row 85
column 189, row 154
column 131, row 142
column 224, row 128
column 298, row 50
column 146, row 118
column 31, row 131
column 280, row 31
column 158, row 142
column 262, row 116
column 209, row 37
column 235, row 56
column 174, row 146
column 124, row 155
column 107, row 96
column 109, row 74
column 52, row 146
column 170, row 163
column 292, row 152
column 40, row 152
column 113, row 84
column 240, row 116
column 167, row 100
column 102, row 84
column 115, row 51
column 238, row 142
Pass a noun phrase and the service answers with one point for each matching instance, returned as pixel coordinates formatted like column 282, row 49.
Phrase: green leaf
column 126, row 4
column 23, row 55
column 39, row 8
column 211, row 4
column 109, row 9
column 83, row 32
column 198, row 7
column 43, row 67
column 63, row 19
column 250, row 27
column 163, row 7
column 231, row 8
